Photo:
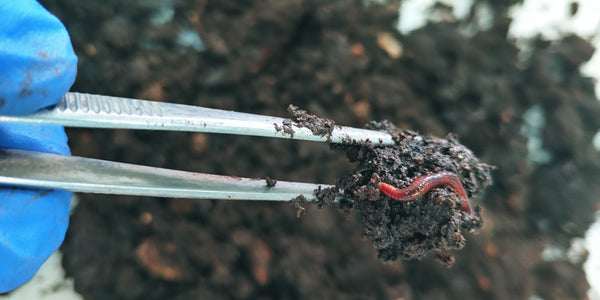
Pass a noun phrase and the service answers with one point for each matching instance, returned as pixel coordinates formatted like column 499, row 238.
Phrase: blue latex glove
column 37, row 67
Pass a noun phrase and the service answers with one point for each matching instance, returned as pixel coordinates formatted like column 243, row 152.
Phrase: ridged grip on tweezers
column 89, row 103
column 98, row 111
column 29, row 169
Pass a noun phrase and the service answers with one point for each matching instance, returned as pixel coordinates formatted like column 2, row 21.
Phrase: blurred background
column 515, row 80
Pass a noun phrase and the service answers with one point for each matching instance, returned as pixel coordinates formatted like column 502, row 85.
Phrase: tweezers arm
column 30, row 169
column 99, row 111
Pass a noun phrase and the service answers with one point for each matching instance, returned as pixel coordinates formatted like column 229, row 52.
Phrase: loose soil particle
column 297, row 204
column 270, row 181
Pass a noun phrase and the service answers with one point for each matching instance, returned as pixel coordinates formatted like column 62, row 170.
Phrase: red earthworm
column 424, row 184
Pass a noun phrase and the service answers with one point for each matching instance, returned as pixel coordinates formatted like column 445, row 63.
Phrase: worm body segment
column 424, row 184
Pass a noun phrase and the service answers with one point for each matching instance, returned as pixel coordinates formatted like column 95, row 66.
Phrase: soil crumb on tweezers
column 270, row 181
column 318, row 126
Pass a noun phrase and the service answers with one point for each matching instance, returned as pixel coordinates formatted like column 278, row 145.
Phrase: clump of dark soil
column 403, row 230
column 318, row 126
column 411, row 229
column 300, row 118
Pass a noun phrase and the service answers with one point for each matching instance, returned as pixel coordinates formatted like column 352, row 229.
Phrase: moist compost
column 411, row 229
column 338, row 60
column 403, row 230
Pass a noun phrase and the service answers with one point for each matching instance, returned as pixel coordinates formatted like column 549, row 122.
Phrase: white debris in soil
column 592, row 265
column 414, row 14
column 552, row 19
column 162, row 16
column 534, row 120
column 596, row 141
column 574, row 255
column 189, row 38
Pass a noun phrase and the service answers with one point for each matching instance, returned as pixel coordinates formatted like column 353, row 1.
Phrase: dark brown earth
column 434, row 222
column 336, row 60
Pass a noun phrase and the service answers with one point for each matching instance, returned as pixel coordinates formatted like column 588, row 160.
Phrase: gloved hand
column 37, row 66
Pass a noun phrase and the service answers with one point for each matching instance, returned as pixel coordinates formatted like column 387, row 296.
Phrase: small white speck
column 534, row 120
column 189, row 38
column 163, row 16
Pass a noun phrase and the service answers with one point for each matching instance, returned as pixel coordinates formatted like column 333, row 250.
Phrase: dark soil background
column 334, row 59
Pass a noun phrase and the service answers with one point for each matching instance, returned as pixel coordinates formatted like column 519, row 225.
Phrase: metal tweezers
column 31, row 169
